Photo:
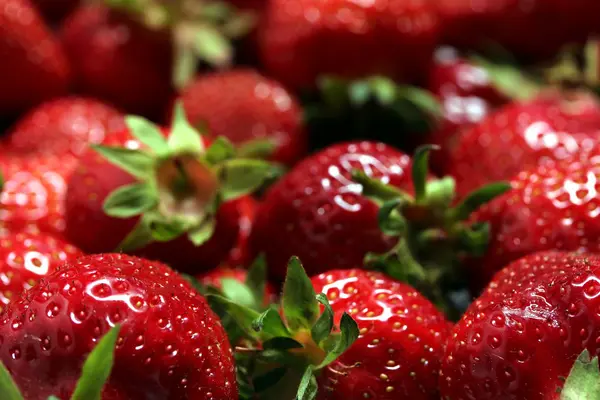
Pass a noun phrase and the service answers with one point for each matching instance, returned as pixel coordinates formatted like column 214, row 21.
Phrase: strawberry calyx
column 201, row 30
column 95, row 372
column 180, row 182
column 289, row 344
column 432, row 229
column 583, row 381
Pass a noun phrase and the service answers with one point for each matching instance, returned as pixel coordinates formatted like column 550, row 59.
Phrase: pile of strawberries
column 299, row 199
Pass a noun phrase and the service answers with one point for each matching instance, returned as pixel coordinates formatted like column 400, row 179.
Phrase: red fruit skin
column 88, row 227
column 63, row 126
column 243, row 105
column 119, row 60
column 535, row 30
column 316, row 212
column 549, row 207
column 25, row 258
column 55, row 10
column 214, row 277
column 171, row 345
column 33, row 195
column 303, row 40
column 521, row 135
column 241, row 254
column 400, row 342
column 34, row 67
column 467, row 94
column 524, row 333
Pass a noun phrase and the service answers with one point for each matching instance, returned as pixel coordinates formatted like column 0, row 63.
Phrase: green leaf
column 478, row 198
column 97, row 367
column 419, row 170
column 348, row 335
column 140, row 236
column 474, row 239
column 166, row 230
column 256, row 279
column 300, row 305
column 509, row 79
column 422, row 99
column 130, row 200
column 384, row 89
column 307, row 390
column 322, row 328
column 243, row 316
column 240, row 177
column 185, row 65
column 375, row 189
column 265, row 381
column 238, row 293
column 184, row 139
column 583, row 382
column 441, row 192
column 52, row 398
column 213, row 47
column 390, row 220
column 220, row 150
column 258, row 148
column 202, row 233
column 137, row 162
column 8, row 387
column 282, row 343
column 270, row 324
column 359, row 92
column 147, row 133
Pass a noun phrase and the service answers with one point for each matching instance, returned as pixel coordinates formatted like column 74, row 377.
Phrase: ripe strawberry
column 170, row 198
column 26, row 258
column 521, row 337
column 242, row 106
column 63, row 126
column 518, row 136
column 33, row 67
column 118, row 59
column 32, row 197
column 318, row 213
column 241, row 254
column 296, row 40
column 171, row 345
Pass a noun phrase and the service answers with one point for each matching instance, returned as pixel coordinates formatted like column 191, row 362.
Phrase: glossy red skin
column 213, row 278
column 171, row 345
column 63, row 126
column 316, row 212
column 303, row 40
column 25, row 258
column 400, row 343
column 534, row 30
column 119, row 60
column 88, row 227
column 33, row 195
column 34, row 67
column 521, row 135
column 241, row 254
column 243, row 105
column 467, row 94
column 524, row 333
column 549, row 207
column 55, row 10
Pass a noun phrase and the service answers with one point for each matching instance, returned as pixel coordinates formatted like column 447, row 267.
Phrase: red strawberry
column 173, row 199
column 33, row 67
column 63, row 126
column 118, row 59
column 242, row 106
column 518, row 136
column 521, row 337
column 171, row 345
column 55, row 10
column 467, row 93
column 26, row 258
column 303, row 40
column 241, row 254
column 318, row 213
column 32, row 198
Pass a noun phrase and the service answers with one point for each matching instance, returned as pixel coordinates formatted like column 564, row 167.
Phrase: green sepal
column 441, row 192
column 258, row 148
column 139, row 237
column 202, row 233
column 220, row 150
column 300, row 305
column 348, row 334
column 241, row 315
column 422, row 100
column 376, row 190
column 138, row 163
column 307, row 390
column 399, row 263
column 8, row 387
column 390, row 220
column 184, row 139
column 474, row 239
column 256, row 279
column 269, row 379
column 420, row 169
column 281, row 343
column 383, row 89
column 237, row 292
column 131, row 200
column 240, row 177
column 324, row 325
column 52, row 398
column 97, row 368
column 583, row 382
column 185, row 66
column 270, row 324
column 509, row 79
column 147, row 133
column 478, row 198
column 334, row 92
column 359, row 93
column 213, row 46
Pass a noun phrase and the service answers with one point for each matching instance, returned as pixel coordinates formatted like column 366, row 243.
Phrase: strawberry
column 32, row 196
column 391, row 350
column 244, row 106
column 167, row 194
column 521, row 337
column 241, row 254
column 62, row 126
column 170, row 344
column 296, row 40
column 217, row 276
column 34, row 67
column 521, row 134
column 26, row 258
